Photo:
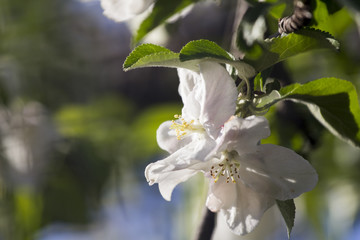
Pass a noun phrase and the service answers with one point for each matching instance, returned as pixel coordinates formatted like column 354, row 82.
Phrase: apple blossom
column 249, row 177
column 209, row 99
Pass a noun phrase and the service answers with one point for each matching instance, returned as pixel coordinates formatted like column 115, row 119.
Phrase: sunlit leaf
column 150, row 55
column 278, row 49
column 331, row 17
column 201, row 50
column 333, row 102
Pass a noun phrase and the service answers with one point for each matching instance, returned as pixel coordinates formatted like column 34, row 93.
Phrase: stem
column 248, row 88
column 259, row 110
column 240, row 86
column 207, row 226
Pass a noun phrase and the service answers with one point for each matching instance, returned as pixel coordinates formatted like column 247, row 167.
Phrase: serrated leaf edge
column 230, row 57
column 137, row 49
column 329, row 35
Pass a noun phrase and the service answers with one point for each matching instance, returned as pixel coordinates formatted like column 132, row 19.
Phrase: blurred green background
column 77, row 132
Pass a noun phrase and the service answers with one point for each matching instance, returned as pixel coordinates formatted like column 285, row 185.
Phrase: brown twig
column 301, row 17
column 207, row 226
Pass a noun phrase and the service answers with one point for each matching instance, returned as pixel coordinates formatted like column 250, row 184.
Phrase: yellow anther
column 182, row 128
column 226, row 168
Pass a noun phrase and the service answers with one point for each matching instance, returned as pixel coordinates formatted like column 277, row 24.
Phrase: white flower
column 249, row 177
column 122, row 10
column 209, row 99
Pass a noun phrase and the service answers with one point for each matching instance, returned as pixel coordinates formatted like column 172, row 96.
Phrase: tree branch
column 207, row 226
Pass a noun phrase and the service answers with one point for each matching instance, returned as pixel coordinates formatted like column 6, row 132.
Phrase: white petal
column 277, row 171
column 243, row 135
column 189, row 84
column 187, row 80
column 122, row 10
column 168, row 176
column 167, row 139
column 179, row 166
column 241, row 206
column 217, row 96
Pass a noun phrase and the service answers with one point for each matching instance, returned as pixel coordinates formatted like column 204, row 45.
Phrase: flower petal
column 167, row 139
column 277, row 171
column 243, row 135
column 179, row 166
column 122, row 10
column 188, row 87
column 217, row 97
column 168, row 176
column 241, row 206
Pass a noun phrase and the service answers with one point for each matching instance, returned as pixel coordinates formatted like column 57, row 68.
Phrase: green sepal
column 287, row 209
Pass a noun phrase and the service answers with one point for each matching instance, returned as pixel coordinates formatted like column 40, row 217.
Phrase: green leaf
column 150, row 55
column 278, row 49
column 332, row 6
column 333, row 102
column 287, row 209
column 201, row 50
column 163, row 9
column 331, row 17
column 142, row 51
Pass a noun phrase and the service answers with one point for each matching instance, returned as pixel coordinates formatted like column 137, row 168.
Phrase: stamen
column 181, row 129
column 226, row 168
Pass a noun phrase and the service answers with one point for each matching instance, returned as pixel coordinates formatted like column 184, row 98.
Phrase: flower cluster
column 245, row 177
column 123, row 10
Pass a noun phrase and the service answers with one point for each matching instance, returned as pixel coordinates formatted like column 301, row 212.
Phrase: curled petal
column 217, row 96
column 187, row 80
column 188, row 87
column 277, row 171
column 168, row 176
column 241, row 206
column 179, row 166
